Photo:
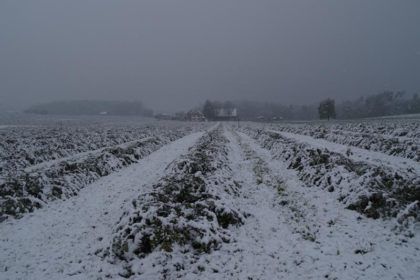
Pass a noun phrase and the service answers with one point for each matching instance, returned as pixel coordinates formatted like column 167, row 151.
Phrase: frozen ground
column 356, row 153
column 289, row 229
column 60, row 241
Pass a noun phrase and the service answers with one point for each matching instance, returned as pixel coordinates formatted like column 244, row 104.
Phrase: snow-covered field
column 117, row 199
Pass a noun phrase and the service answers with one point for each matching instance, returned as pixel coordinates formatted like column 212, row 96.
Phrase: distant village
column 211, row 111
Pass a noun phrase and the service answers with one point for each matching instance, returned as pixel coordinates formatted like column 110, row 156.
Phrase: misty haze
column 238, row 139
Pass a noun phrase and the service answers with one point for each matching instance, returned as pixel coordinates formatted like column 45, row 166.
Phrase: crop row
column 190, row 209
column 293, row 206
column 385, row 127
column 395, row 146
column 32, row 189
column 22, row 147
column 374, row 191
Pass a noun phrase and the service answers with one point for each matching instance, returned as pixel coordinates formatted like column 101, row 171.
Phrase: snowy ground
column 289, row 230
column 60, row 241
column 371, row 157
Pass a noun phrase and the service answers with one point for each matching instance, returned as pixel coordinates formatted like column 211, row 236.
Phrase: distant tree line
column 211, row 107
column 92, row 107
column 381, row 104
column 249, row 110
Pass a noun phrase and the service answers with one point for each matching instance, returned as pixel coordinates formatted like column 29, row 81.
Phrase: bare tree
column 326, row 109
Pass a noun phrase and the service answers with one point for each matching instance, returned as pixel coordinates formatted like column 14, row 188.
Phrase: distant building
column 226, row 114
column 195, row 116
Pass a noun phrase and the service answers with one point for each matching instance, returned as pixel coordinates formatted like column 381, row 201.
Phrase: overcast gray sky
column 174, row 54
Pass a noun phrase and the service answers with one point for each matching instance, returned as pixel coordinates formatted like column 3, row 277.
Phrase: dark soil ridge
column 190, row 209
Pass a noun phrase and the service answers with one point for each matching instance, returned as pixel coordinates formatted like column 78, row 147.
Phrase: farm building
column 226, row 114
column 195, row 116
